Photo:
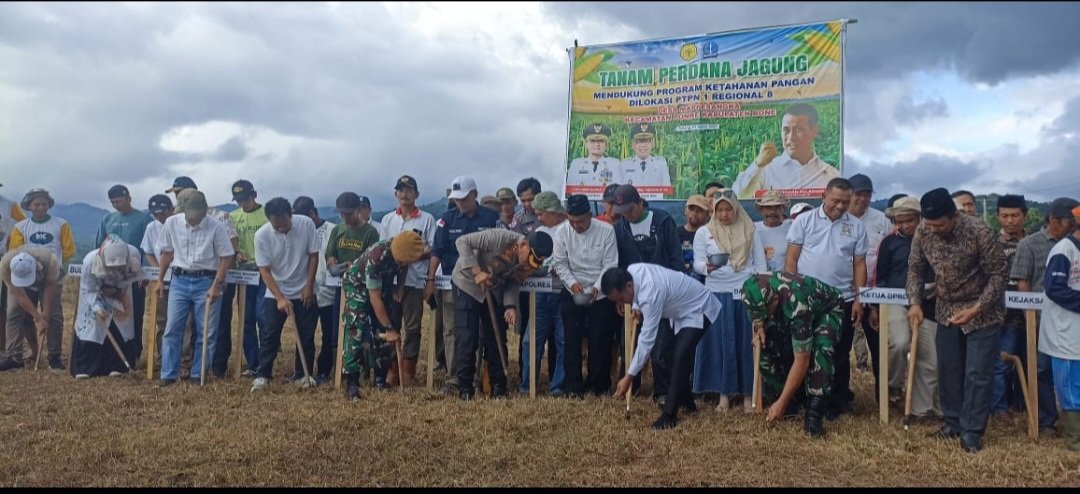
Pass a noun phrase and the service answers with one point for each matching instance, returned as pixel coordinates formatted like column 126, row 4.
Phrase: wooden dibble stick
column 532, row 345
column 238, row 330
column 757, row 399
column 205, row 333
column 340, row 341
column 495, row 329
column 151, row 349
column 116, row 346
column 1032, row 374
column 1033, row 424
column 912, row 357
column 629, row 325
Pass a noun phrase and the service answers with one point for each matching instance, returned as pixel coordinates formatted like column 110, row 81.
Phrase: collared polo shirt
column 829, row 248
column 286, row 254
column 198, row 247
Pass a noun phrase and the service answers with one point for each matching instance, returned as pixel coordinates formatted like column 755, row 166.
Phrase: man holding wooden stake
column 797, row 322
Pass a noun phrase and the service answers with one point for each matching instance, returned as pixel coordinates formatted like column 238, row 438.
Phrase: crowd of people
column 704, row 295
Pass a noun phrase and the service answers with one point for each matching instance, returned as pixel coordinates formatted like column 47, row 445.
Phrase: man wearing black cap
column 410, row 292
column 326, row 297
column 247, row 219
column 130, row 225
column 609, row 216
column 595, row 169
column 490, row 268
column 464, row 218
column 971, row 275
column 649, row 235
column 877, row 227
column 1028, row 268
column 586, row 249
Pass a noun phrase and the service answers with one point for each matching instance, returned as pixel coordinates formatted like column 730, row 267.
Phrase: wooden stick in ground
column 431, row 349
column 116, row 346
column 495, row 329
column 883, row 362
column 757, row 392
column 300, row 348
column 205, row 337
column 238, row 331
column 532, row 345
column 40, row 344
column 628, row 348
column 912, row 358
column 339, row 358
column 1033, row 425
column 398, row 349
column 151, row 349
column 1032, row 374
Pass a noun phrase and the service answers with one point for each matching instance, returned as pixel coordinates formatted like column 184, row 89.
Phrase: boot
column 380, row 379
column 815, row 410
column 392, row 374
column 1072, row 429
column 352, row 387
column 408, row 374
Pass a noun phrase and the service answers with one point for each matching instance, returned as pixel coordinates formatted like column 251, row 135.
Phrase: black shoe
column 660, row 401
column 812, row 424
column 498, row 391
column 690, row 408
column 466, row 394
column 558, row 393
column 945, row 432
column 971, row 443
column 575, row 395
column 166, row 383
column 9, row 364
column 665, row 422
column 56, row 363
column 448, row 389
column 352, row 388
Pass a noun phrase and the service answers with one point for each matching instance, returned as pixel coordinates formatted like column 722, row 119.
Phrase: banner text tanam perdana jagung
column 753, row 67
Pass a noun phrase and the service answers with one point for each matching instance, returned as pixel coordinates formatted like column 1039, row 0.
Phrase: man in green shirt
column 351, row 238
column 248, row 218
column 129, row 224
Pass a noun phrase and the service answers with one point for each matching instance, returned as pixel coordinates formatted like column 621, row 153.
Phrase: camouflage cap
column 548, row 202
column 505, row 194
column 772, row 197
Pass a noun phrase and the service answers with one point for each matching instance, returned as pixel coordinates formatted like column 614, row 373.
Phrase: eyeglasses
column 724, row 193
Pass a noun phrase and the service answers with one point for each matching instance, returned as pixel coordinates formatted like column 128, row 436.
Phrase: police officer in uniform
column 644, row 169
column 595, row 169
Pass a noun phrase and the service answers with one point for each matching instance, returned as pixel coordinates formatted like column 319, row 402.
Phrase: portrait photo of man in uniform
column 596, row 169
column 643, row 169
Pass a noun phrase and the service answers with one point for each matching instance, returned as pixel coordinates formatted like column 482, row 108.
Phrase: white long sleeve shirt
column 725, row 279
column 661, row 293
column 584, row 257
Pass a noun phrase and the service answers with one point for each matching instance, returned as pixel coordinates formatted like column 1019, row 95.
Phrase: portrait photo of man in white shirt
column 798, row 167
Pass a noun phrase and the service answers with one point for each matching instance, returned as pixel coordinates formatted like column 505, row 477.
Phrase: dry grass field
column 128, row 432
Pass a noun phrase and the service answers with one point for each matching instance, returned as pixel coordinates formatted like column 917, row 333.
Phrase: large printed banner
column 754, row 109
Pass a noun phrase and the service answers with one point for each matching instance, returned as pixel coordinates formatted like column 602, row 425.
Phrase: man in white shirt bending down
column 287, row 254
column 657, row 292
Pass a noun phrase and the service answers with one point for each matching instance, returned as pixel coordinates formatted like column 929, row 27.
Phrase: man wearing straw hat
column 892, row 272
column 198, row 251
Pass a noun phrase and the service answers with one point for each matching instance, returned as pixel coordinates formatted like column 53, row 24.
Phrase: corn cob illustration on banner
column 756, row 108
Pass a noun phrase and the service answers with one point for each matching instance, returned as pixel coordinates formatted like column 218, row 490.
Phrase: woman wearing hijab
column 727, row 252
column 105, row 306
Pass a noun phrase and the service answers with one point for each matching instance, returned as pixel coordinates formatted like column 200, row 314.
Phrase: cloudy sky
column 316, row 99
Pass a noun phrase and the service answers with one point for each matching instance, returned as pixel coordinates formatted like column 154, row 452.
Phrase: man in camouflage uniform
column 797, row 318
column 369, row 288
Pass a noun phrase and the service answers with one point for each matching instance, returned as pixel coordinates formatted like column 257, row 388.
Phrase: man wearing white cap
column 467, row 217
column 31, row 274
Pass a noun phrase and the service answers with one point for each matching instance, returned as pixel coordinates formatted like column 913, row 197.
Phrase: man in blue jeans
column 198, row 251
column 287, row 254
column 1028, row 268
column 1011, row 213
column 549, row 327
